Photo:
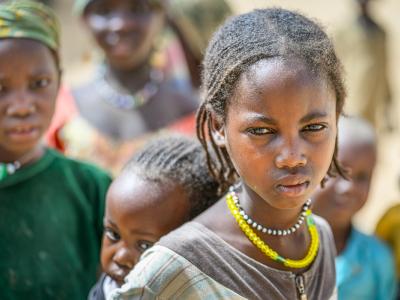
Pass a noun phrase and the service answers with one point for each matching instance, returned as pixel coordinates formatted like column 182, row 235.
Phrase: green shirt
column 50, row 229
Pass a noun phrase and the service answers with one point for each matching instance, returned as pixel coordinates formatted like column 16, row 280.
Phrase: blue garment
column 365, row 269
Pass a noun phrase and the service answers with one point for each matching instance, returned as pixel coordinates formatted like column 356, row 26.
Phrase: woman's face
column 280, row 131
column 125, row 29
column 29, row 82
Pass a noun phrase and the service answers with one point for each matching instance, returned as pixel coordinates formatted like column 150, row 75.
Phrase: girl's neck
column 341, row 235
column 259, row 210
column 132, row 79
column 24, row 158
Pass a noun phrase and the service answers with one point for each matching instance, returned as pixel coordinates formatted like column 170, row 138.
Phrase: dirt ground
column 78, row 54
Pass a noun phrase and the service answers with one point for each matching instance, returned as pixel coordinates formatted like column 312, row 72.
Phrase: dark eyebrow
column 261, row 118
column 312, row 116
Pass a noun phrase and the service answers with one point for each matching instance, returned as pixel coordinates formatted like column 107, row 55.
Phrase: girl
column 272, row 95
column 52, row 207
column 163, row 186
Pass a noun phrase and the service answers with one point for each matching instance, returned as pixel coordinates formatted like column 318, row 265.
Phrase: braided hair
column 177, row 160
column 241, row 42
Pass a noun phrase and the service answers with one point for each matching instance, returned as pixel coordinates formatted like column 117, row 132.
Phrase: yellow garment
column 388, row 230
column 362, row 50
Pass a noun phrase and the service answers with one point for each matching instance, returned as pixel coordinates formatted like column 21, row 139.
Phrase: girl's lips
column 23, row 133
column 294, row 190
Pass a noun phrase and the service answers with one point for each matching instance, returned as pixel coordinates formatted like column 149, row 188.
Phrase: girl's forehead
column 278, row 70
column 269, row 75
column 287, row 89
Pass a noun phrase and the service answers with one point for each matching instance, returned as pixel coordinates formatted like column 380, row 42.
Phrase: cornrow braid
column 177, row 160
column 241, row 42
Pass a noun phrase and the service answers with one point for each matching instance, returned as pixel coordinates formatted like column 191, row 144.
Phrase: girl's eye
column 39, row 84
column 111, row 234
column 144, row 245
column 260, row 131
column 314, row 127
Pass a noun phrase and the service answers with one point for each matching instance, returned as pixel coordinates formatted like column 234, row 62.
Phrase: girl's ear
column 217, row 130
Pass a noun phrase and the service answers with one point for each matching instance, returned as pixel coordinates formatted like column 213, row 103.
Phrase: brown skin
column 125, row 31
column 29, row 83
column 138, row 213
column 341, row 199
column 280, row 134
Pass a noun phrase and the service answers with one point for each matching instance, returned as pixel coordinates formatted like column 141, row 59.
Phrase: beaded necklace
column 119, row 97
column 271, row 231
column 256, row 240
column 7, row 169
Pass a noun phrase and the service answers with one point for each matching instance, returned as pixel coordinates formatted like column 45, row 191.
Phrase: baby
column 164, row 185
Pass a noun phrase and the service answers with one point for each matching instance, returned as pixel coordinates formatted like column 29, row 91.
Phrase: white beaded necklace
column 7, row 169
column 270, row 231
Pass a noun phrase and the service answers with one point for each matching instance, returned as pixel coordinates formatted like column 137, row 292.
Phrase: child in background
column 364, row 266
column 273, row 91
column 138, row 87
column 166, row 184
column 52, row 207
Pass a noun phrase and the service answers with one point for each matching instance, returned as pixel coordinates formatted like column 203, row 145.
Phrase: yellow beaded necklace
column 290, row 263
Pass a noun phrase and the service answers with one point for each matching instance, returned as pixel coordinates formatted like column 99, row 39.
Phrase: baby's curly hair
column 177, row 160
column 241, row 42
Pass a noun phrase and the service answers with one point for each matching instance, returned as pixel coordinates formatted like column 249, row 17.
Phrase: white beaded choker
column 270, row 231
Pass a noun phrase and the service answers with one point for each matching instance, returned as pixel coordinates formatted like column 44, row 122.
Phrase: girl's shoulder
column 164, row 274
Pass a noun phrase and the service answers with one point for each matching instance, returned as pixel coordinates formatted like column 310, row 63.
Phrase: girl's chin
column 16, row 152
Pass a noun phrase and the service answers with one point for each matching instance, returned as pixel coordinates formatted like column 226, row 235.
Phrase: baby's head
column 273, row 90
column 340, row 199
column 124, row 30
column 163, row 186
column 29, row 75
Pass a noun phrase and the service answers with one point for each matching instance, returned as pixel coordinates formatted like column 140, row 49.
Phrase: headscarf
column 31, row 20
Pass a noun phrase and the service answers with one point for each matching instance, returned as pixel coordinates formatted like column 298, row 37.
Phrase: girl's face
column 138, row 214
column 280, row 131
column 29, row 82
column 125, row 29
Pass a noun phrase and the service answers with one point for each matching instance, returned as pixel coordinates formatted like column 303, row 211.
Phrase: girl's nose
column 125, row 257
column 21, row 105
column 290, row 157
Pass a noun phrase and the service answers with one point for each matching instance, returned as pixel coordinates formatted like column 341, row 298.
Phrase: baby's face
column 29, row 81
column 340, row 199
column 138, row 214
